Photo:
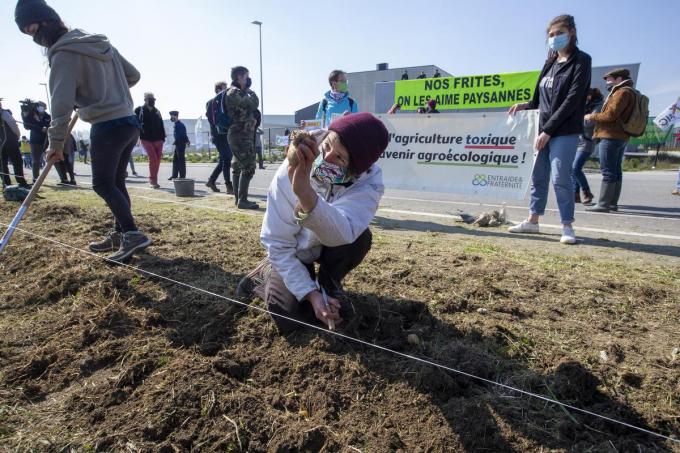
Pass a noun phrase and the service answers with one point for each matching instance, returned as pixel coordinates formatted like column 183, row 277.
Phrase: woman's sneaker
column 524, row 227
column 108, row 244
column 568, row 236
column 132, row 241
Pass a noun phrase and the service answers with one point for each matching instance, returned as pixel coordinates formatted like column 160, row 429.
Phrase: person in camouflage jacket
column 240, row 104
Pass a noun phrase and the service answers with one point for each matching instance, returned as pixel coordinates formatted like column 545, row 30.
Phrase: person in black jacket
column 179, row 163
column 37, row 121
column 152, row 135
column 9, row 149
column 560, row 96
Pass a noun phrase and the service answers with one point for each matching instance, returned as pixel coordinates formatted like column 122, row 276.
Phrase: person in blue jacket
column 337, row 101
column 179, row 164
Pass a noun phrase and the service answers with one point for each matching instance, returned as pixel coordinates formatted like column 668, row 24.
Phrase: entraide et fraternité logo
column 479, row 180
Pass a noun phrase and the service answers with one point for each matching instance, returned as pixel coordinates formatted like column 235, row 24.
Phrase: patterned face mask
column 328, row 173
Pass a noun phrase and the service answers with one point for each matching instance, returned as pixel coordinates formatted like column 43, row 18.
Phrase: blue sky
column 182, row 47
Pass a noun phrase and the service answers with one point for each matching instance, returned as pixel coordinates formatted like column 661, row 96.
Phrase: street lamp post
column 259, row 24
column 47, row 94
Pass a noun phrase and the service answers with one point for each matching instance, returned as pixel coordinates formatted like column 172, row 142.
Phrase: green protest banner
column 653, row 135
column 467, row 92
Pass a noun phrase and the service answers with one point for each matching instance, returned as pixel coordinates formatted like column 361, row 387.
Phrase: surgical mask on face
column 41, row 109
column 342, row 87
column 559, row 42
column 328, row 173
column 249, row 82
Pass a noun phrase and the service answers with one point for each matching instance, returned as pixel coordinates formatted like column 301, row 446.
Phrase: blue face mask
column 559, row 42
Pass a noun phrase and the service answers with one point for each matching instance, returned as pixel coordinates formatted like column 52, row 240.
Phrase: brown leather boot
column 587, row 197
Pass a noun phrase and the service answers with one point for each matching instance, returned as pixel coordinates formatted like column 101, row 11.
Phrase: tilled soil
column 101, row 358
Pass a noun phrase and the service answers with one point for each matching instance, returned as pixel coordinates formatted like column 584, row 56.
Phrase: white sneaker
column 568, row 236
column 524, row 227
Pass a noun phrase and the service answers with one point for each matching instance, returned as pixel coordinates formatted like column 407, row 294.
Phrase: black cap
column 620, row 72
column 174, row 113
column 30, row 12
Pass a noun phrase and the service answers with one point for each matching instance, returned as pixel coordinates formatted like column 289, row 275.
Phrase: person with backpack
column 219, row 127
column 9, row 149
column 87, row 72
column 240, row 103
column 152, row 135
column 337, row 101
column 586, row 145
column 560, row 96
column 610, row 131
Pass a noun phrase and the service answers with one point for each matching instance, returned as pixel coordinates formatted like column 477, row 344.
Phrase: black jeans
column 334, row 265
column 224, row 164
column 179, row 163
column 10, row 153
column 109, row 153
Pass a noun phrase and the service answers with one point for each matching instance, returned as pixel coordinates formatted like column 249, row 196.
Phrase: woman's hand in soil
column 323, row 313
column 298, row 173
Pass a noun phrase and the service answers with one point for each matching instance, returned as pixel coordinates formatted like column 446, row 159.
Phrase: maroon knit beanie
column 364, row 136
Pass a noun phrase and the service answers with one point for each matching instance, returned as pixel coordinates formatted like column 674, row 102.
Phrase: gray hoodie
column 87, row 73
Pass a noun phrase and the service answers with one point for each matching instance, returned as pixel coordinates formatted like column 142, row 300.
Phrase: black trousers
column 179, row 163
column 37, row 152
column 10, row 152
column 224, row 164
column 109, row 154
column 334, row 265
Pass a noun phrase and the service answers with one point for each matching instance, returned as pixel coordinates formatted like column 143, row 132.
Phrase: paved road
column 648, row 214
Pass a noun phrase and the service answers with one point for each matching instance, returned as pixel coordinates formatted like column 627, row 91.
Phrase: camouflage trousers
column 242, row 146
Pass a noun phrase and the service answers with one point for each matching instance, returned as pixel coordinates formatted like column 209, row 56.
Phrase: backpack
column 217, row 115
column 636, row 124
column 324, row 105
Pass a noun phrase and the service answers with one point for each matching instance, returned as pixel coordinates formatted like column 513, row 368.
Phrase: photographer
column 9, row 148
column 37, row 120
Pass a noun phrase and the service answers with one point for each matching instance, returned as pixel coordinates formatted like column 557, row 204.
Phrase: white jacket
column 340, row 216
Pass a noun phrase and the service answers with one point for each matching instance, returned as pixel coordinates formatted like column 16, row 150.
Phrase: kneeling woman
column 318, row 211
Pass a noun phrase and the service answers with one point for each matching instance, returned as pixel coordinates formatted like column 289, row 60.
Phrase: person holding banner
column 560, row 97
column 89, row 73
column 319, row 207
column 337, row 101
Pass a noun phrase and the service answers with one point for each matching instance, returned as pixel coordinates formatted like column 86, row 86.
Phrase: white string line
column 215, row 208
column 160, row 200
column 347, row 337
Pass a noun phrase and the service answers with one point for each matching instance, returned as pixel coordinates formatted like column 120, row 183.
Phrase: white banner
column 281, row 140
column 484, row 154
column 669, row 117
